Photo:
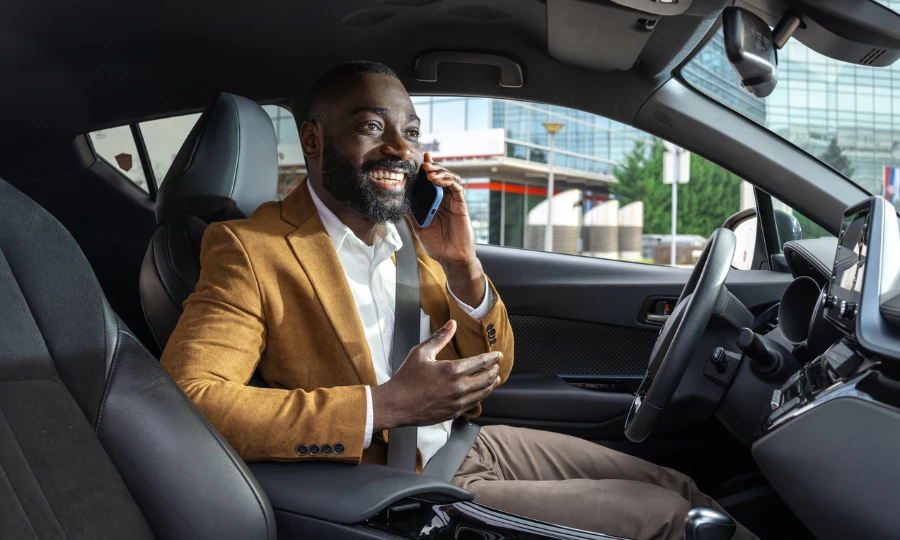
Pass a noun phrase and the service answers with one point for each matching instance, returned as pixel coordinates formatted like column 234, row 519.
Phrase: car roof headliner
column 72, row 67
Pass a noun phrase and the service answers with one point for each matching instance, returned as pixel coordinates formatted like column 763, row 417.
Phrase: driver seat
column 225, row 169
column 96, row 441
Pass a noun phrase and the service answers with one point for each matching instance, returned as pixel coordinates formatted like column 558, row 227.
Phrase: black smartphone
column 425, row 199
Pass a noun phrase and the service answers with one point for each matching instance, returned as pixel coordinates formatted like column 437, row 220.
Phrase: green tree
column 711, row 196
column 835, row 157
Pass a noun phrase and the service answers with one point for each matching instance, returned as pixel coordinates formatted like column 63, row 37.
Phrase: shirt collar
column 388, row 239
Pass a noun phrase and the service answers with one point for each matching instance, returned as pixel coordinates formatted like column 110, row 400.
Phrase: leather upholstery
column 226, row 168
column 96, row 441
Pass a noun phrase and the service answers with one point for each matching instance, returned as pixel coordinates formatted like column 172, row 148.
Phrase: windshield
column 846, row 115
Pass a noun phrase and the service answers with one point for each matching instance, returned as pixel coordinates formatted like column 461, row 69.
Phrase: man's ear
column 311, row 139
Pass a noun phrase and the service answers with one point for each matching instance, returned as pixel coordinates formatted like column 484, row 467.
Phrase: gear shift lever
column 708, row 524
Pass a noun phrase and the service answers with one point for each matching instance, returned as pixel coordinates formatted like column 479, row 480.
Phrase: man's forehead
column 375, row 93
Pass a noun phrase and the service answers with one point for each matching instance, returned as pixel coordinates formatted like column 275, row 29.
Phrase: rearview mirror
column 751, row 50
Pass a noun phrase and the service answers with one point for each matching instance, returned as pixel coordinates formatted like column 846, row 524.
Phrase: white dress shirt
column 372, row 277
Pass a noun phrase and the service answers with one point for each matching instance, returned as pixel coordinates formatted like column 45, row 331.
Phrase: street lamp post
column 552, row 128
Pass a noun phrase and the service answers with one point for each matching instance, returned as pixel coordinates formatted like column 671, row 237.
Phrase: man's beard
column 352, row 186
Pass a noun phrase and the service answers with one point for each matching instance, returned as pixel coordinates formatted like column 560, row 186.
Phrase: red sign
column 125, row 162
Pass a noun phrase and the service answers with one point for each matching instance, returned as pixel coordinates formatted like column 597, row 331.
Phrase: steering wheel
column 680, row 335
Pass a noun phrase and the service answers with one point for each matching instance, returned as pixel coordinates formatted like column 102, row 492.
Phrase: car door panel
column 582, row 336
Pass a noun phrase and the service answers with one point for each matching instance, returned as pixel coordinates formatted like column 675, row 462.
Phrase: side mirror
column 751, row 50
column 749, row 241
column 788, row 226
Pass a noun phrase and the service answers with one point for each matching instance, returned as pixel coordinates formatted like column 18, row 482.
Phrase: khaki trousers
column 576, row 483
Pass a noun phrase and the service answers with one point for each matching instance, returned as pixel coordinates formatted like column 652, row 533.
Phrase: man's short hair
column 328, row 82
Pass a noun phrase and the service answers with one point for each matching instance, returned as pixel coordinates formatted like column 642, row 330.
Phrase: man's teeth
column 387, row 177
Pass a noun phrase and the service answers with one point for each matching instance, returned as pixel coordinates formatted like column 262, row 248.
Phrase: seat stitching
column 112, row 368
column 237, row 160
column 167, row 263
column 36, row 479
column 18, row 500
column 170, row 260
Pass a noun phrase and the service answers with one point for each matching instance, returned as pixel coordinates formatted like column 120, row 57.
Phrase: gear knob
column 708, row 524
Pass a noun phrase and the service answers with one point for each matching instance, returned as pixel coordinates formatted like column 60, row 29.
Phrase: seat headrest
column 227, row 166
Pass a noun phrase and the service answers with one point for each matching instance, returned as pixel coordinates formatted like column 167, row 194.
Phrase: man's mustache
column 406, row 167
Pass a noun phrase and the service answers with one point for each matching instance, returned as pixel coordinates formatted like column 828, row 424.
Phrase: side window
column 790, row 224
column 116, row 147
column 163, row 139
column 609, row 199
column 291, row 167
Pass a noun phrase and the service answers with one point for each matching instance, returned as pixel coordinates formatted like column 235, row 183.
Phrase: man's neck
column 364, row 229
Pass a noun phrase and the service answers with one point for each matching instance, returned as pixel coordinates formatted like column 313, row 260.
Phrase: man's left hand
column 450, row 239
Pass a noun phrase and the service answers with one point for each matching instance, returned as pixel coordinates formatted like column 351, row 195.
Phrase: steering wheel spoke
column 675, row 345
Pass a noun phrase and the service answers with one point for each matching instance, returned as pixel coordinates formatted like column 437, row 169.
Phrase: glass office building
column 818, row 103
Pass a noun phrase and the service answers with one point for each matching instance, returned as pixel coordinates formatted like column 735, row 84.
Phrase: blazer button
column 302, row 449
column 326, row 449
column 313, row 449
column 338, row 448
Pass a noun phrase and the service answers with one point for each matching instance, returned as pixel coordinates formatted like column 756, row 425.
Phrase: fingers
column 438, row 340
column 477, row 364
column 474, row 397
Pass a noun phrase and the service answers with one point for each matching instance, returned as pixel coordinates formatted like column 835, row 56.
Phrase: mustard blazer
column 272, row 294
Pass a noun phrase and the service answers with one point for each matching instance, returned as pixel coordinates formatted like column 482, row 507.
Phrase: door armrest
column 342, row 493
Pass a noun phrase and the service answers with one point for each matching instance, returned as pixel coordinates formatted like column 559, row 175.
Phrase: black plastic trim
column 344, row 493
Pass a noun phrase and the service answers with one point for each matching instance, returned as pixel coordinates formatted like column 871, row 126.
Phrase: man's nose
column 396, row 145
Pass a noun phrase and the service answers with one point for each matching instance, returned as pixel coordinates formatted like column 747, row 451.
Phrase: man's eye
column 371, row 126
column 414, row 133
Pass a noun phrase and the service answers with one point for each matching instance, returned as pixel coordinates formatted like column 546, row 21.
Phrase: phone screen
column 425, row 199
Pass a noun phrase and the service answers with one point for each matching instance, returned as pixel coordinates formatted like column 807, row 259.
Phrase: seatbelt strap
column 402, row 440
column 448, row 459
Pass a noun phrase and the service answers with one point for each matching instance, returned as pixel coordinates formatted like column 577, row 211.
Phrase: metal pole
column 548, row 235
column 502, row 212
column 674, row 217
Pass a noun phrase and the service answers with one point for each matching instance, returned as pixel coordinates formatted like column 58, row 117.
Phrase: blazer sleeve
column 477, row 336
column 215, row 349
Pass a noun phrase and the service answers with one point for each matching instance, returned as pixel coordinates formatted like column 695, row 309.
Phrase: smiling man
column 304, row 292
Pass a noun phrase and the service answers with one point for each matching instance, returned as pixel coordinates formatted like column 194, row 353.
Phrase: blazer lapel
column 314, row 251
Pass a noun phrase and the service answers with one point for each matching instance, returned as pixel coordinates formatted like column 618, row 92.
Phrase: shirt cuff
column 370, row 418
column 486, row 304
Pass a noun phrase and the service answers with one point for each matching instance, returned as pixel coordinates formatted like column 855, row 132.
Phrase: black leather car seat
column 226, row 168
column 96, row 441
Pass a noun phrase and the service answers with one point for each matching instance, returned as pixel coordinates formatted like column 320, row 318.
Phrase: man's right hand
column 425, row 391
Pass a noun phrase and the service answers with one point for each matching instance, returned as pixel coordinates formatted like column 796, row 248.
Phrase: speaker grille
column 872, row 56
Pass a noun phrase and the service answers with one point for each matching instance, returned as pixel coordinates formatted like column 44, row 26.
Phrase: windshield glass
column 846, row 115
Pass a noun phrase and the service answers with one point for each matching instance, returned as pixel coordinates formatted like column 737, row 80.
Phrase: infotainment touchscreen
column 849, row 268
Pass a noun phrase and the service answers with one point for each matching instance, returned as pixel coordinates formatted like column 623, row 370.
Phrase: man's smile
column 387, row 179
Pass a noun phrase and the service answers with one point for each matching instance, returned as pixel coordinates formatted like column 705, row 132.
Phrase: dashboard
column 831, row 441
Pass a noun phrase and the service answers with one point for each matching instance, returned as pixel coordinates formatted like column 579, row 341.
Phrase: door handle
column 661, row 319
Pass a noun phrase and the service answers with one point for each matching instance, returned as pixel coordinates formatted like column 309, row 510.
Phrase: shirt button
column 326, row 449
column 313, row 449
column 302, row 449
column 338, row 448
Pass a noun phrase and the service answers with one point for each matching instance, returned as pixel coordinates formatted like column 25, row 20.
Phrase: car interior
column 775, row 388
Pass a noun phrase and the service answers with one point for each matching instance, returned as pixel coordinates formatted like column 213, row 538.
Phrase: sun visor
column 604, row 35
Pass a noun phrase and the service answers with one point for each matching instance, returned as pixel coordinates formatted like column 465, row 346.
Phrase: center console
column 830, row 443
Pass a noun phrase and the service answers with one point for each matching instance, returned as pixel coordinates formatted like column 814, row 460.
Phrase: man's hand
column 450, row 239
column 425, row 391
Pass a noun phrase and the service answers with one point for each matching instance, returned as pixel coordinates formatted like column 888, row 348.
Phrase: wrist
column 383, row 416
column 463, row 272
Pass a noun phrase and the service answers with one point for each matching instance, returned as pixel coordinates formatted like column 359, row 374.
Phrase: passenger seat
column 96, row 441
